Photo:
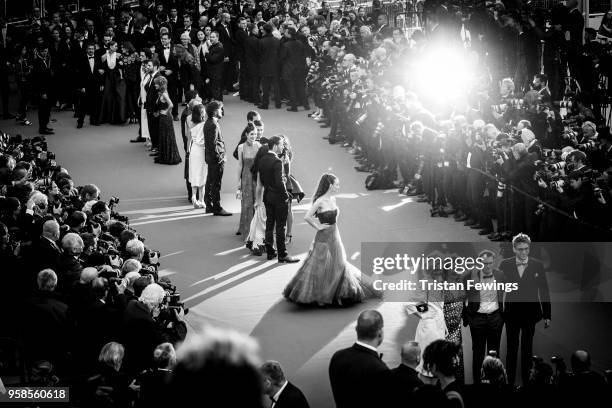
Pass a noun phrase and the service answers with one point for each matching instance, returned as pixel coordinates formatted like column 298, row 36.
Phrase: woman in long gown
column 168, row 150
column 197, row 166
column 246, row 182
column 293, row 187
column 255, row 241
column 326, row 277
column 113, row 97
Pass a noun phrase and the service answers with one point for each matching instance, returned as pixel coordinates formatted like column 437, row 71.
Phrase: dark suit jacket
column 43, row 254
column 91, row 81
column 171, row 63
column 473, row 295
column 354, row 373
column 531, row 302
column 152, row 94
column 214, row 61
column 251, row 55
column 241, row 37
column 270, row 169
column 214, row 146
column 293, row 59
column 141, row 335
column 291, row 397
column 399, row 383
column 269, row 53
column 226, row 37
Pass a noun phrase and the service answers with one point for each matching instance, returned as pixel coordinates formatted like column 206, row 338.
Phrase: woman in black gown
column 113, row 97
column 168, row 150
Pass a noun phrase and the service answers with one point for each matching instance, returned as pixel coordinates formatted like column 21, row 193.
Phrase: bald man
column 404, row 377
column 355, row 373
column 585, row 388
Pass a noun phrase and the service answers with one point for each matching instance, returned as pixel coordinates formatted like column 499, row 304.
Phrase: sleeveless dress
column 197, row 166
column 326, row 277
column 168, row 150
column 112, row 107
column 247, row 188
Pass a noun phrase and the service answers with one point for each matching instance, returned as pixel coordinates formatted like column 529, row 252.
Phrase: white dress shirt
column 367, row 346
column 167, row 54
column 521, row 268
column 277, row 395
column 92, row 62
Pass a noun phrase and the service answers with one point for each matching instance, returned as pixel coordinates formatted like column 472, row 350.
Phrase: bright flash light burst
column 442, row 75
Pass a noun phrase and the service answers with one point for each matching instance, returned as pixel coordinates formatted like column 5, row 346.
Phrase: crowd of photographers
column 80, row 285
column 522, row 149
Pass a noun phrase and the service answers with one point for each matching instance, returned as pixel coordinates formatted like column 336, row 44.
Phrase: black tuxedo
column 170, row 63
column 43, row 254
column 43, row 79
column 291, row 397
column 399, row 383
column 89, row 101
column 214, row 155
column 214, row 68
column 523, row 308
column 269, row 54
column 354, row 374
column 276, row 199
column 149, row 105
column 241, row 37
column 485, row 328
column 226, row 37
column 251, row 62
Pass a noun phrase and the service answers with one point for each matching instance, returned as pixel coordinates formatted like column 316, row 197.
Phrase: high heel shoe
column 196, row 203
column 288, row 239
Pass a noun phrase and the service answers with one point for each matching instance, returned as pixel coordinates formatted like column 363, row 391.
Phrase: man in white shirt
column 483, row 310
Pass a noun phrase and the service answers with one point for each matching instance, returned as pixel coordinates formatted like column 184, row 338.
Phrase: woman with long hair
column 293, row 187
column 246, row 182
column 113, row 97
column 132, row 80
column 168, row 150
column 255, row 241
column 197, row 165
column 326, row 277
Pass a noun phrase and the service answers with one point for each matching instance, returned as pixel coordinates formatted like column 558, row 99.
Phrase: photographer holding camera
column 145, row 326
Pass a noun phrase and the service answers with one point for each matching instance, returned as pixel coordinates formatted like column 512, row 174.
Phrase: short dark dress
column 168, row 149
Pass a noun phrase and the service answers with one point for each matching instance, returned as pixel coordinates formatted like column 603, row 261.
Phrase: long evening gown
column 326, row 277
column 247, row 186
column 168, row 150
column 113, row 97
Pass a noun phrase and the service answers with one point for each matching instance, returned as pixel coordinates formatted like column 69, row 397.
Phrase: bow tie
column 167, row 48
column 380, row 356
column 272, row 399
column 90, row 57
column 521, row 263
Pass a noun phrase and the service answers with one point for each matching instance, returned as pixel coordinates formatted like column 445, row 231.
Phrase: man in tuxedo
column 214, row 66
column 525, row 307
column 90, row 84
column 483, row 311
column 226, row 36
column 404, row 377
column 269, row 53
column 293, row 60
column 281, row 392
column 241, row 44
column 276, row 199
column 149, row 104
column 42, row 78
column 251, row 55
column 215, row 158
column 356, row 371
column 169, row 68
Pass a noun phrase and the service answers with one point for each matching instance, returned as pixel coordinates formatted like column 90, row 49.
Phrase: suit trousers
column 212, row 193
column 88, row 103
column 152, row 123
column 253, row 84
column 486, row 330
column 276, row 221
column 229, row 74
column 266, row 83
column 243, row 82
column 44, row 113
column 514, row 330
column 216, row 88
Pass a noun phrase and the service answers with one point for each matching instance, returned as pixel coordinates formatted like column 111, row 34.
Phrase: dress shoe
column 257, row 251
column 153, row 154
column 49, row 129
column 271, row 255
column 493, row 235
column 469, row 222
column 262, row 107
column 138, row 140
column 46, row 132
column 292, row 109
column 79, row 125
column 485, row 232
column 209, row 210
column 422, row 200
column 222, row 213
column 476, row 226
column 287, row 259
